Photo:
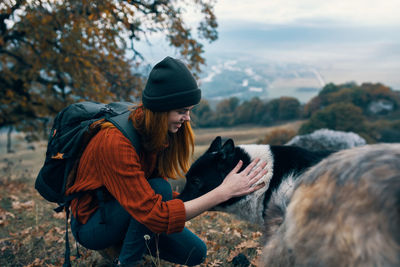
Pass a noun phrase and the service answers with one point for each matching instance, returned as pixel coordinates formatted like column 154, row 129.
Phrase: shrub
column 384, row 131
column 278, row 136
column 342, row 117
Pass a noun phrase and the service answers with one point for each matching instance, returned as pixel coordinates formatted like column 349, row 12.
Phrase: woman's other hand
column 238, row 184
column 235, row 184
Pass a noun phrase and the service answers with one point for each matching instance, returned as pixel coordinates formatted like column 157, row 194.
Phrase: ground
column 32, row 234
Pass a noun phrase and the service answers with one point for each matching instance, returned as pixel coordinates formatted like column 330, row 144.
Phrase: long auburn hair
column 174, row 150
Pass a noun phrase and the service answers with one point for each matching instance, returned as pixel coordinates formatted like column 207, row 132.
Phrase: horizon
column 343, row 42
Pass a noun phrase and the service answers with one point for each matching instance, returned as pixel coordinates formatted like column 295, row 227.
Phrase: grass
column 32, row 234
column 241, row 134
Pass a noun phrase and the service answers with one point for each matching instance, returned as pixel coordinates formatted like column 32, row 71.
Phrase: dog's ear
column 228, row 149
column 215, row 145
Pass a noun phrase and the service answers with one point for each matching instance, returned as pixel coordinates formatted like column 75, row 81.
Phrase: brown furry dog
column 344, row 211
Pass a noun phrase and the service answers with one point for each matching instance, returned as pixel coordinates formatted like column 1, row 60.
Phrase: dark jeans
column 119, row 227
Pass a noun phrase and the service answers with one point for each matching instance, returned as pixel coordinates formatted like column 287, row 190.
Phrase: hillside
column 247, row 79
column 31, row 234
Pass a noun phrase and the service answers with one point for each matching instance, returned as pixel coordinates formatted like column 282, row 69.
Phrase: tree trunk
column 10, row 129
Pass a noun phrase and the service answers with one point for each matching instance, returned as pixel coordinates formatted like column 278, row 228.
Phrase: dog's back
column 344, row 212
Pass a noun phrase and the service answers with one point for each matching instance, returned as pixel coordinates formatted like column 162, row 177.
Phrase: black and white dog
column 284, row 164
column 317, row 208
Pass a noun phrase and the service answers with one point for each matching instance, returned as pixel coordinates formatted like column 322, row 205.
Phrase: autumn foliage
column 278, row 136
column 32, row 234
column 370, row 110
column 55, row 52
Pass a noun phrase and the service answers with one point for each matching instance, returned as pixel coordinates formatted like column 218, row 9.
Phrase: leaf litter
column 32, row 234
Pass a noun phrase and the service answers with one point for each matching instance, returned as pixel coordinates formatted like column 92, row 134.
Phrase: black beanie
column 170, row 86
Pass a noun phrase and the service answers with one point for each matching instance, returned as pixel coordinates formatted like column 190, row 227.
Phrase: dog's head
column 209, row 170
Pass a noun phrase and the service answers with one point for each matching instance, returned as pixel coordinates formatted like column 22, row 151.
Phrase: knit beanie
column 170, row 86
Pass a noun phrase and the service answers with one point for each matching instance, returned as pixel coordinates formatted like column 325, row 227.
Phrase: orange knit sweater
column 110, row 160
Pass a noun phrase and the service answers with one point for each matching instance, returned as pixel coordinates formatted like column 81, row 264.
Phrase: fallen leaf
column 3, row 217
column 248, row 244
column 14, row 197
column 256, row 234
column 215, row 263
column 25, row 205
column 59, row 215
column 233, row 254
column 55, row 234
column 36, row 263
column 237, row 233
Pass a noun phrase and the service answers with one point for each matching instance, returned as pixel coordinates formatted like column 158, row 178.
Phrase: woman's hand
column 238, row 184
column 234, row 185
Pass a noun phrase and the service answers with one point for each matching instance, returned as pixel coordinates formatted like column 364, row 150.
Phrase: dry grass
column 32, row 235
column 240, row 134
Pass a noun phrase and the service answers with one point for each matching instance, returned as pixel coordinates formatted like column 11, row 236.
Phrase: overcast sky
column 312, row 12
column 347, row 40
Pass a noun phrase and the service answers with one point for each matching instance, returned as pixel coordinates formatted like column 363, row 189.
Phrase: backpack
column 72, row 130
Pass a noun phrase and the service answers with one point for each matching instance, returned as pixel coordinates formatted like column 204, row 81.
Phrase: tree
column 224, row 115
column 283, row 108
column 202, row 114
column 248, row 111
column 53, row 52
column 329, row 88
column 312, row 106
column 272, row 109
column 289, row 108
column 228, row 105
column 360, row 96
column 341, row 117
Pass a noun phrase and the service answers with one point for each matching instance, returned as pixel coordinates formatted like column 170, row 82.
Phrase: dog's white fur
column 251, row 207
column 281, row 196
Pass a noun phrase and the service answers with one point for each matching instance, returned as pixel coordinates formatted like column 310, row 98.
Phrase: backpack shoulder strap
column 123, row 124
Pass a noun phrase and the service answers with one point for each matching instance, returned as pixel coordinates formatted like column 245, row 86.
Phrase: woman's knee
column 161, row 187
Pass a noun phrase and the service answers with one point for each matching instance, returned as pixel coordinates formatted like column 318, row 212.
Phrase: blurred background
column 257, row 62
column 270, row 72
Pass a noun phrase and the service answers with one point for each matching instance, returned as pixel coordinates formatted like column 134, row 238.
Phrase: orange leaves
column 59, row 215
column 83, row 45
column 247, row 244
column 226, row 238
column 16, row 205
column 215, row 263
column 36, row 263
column 278, row 136
column 4, row 216
column 55, row 234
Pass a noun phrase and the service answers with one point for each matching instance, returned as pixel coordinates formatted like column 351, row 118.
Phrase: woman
column 139, row 203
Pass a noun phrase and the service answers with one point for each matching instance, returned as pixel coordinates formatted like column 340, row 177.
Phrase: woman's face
column 177, row 117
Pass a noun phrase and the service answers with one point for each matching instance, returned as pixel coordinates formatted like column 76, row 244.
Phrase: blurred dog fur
column 344, row 211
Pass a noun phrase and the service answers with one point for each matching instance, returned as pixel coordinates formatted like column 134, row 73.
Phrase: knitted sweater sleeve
column 122, row 175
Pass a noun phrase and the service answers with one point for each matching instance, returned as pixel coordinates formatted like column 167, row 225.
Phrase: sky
column 347, row 12
column 345, row 40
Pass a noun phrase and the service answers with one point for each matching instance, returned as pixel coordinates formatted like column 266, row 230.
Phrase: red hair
column 174, row 150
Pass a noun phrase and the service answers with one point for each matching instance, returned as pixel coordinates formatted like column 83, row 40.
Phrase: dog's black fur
column 208, row 171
